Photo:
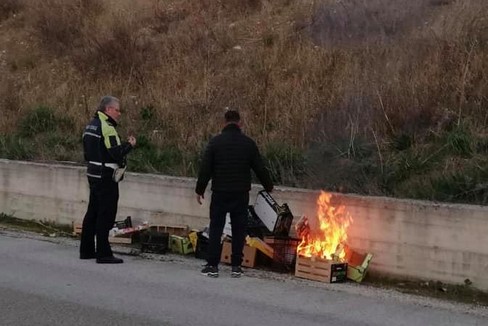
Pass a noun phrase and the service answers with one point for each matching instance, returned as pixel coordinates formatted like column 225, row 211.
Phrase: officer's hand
column 199, row 199
column 132, row 140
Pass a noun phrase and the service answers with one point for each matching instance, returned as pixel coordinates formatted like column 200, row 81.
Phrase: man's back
column 228, row 161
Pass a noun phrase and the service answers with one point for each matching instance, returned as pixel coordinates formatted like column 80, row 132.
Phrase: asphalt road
column 43, row 283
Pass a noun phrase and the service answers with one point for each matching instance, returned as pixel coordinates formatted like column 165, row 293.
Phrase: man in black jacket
column 104, row 154
column 228, row 160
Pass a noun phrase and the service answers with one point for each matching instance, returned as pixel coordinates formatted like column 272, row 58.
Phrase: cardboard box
column 260, row 245
column 322, row 270
column 248, row 259
column 276, row 218
column 358, row 264
column 180, row 245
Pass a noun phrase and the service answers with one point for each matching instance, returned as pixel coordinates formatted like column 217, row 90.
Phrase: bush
column 43, row 120
column 357, row 96
column 285, row 163
column 147, row 157
column 60, row 25
column 17, row 148
column 10, row 7
column 122, row 49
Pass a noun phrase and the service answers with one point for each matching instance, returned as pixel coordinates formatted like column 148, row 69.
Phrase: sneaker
column 236, row 271
column 211, row 271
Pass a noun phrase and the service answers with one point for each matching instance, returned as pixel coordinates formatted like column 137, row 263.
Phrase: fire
column 328, row 243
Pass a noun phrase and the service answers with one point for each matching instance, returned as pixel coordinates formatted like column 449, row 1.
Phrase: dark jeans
column 100, row 217
column 221, row 204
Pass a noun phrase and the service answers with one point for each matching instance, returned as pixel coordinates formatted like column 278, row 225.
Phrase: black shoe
column 211, row 271
column 109, row 260
column 236, row 271
column 88, row 256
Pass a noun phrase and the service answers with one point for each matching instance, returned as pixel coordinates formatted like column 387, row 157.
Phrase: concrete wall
column 408, row 238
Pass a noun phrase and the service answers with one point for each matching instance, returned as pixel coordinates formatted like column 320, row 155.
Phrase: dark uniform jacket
column 102, row 147
column 228, row 160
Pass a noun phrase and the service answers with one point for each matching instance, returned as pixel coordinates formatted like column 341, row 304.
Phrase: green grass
column 43, row 227
column 16, row 148
column 42, row 134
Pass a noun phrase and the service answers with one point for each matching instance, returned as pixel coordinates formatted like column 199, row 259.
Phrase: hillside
column 379, row 97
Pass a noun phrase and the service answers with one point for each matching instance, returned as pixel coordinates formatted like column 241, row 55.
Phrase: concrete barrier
column 417, row 239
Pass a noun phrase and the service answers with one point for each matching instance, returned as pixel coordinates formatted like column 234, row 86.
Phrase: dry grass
column 342, row 80
column 10, row 7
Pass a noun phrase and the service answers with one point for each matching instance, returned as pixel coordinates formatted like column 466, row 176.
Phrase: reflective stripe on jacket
column 102, row 145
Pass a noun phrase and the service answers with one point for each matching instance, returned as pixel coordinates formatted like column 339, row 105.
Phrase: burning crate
column 322, row 270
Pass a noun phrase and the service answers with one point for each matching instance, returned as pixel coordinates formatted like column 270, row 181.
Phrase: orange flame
column 329, row 242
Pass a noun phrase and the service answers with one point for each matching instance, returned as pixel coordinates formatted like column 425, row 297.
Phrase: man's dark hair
column 232, row 116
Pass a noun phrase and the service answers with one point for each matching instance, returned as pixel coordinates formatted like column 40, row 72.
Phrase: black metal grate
column 285, row 252
column 154, row 242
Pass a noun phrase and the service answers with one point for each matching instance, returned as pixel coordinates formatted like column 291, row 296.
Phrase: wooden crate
column 179, row 230
column 322, row 270
column 77, row 228
column 126, row 239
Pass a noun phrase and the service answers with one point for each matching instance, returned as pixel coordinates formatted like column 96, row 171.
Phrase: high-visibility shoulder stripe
column 91, row 134
column 110, row 136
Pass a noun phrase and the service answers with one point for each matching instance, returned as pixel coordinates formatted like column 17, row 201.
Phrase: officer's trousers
column 99, row 218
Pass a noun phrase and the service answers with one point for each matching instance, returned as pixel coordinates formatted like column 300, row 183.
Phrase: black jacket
column 101, row 144
column 228, row 160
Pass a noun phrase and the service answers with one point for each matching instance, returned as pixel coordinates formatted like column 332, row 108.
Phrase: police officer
column 105, row 156
column 228, row 161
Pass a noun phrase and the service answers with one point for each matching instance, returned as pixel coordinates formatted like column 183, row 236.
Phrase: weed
column 44, row 227
column 452, row 292
column 460, row 141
